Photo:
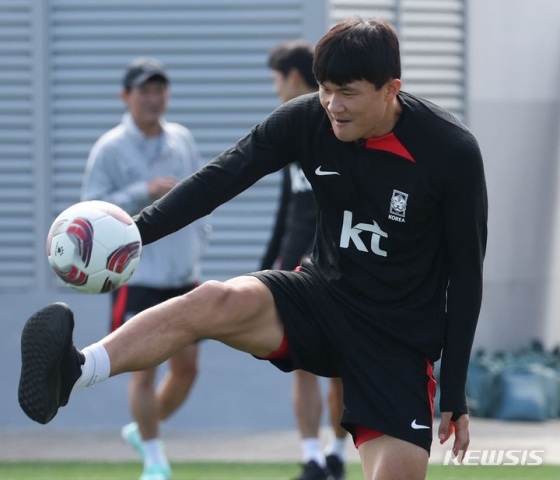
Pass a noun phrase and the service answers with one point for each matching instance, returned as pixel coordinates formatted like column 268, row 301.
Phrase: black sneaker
column 50, row 364
column 336, row 467
column 312, row 471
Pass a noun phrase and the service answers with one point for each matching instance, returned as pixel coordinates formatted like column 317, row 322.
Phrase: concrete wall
column 513, row 109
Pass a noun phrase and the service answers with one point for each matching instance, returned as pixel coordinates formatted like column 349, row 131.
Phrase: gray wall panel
column 17, row 214
column 216, row 55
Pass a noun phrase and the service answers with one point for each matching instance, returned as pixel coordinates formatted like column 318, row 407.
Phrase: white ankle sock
column 311, row 450
column 96, row 368
column 336, row 446
column 154, row 452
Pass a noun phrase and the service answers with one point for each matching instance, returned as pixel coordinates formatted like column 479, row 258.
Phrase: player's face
column 147, row 102
column 358, row 110
column 284, row 85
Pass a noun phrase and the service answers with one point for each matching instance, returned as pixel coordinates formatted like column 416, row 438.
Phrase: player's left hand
column 461, row 429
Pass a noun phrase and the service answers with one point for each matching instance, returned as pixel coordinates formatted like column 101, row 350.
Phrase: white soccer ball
column 94, row 246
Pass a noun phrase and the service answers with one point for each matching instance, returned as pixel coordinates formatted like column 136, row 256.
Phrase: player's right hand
column 460, row 428
column 158, row 187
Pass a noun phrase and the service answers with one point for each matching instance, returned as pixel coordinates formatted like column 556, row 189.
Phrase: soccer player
column 131, row 165
column 292, row 240
column 393, row 283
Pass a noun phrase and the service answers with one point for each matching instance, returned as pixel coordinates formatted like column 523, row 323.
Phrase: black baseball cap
column 142, row 69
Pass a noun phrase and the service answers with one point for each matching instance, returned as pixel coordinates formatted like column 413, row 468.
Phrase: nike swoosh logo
column 324, row 172
column 416, row 426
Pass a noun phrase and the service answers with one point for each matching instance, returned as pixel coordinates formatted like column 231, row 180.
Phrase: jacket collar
column 133, row 130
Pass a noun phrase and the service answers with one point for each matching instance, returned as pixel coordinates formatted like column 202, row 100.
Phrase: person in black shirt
column 394, row 281
column 292, row 240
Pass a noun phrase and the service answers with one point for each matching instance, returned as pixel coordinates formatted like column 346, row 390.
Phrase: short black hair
column 358, row 49
column 296, row 54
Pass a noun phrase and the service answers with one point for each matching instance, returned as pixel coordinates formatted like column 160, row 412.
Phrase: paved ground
column 41, row 443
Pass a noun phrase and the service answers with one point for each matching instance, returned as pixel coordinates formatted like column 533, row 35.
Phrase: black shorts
column 129, row 300
column 387, row 386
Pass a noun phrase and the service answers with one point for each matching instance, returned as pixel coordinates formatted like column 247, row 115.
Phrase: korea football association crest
column 397, row 209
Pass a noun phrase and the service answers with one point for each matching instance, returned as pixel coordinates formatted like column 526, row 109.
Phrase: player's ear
column 124, row 95
column 294, row 77
column 393, row 87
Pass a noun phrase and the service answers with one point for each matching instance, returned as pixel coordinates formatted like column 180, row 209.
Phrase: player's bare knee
column 214, row 293
column 210, row 308
column 143, row 380
column 233, row 306
column 184, row 370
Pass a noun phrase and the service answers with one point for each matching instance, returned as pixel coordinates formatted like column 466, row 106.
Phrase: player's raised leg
column 240, row 313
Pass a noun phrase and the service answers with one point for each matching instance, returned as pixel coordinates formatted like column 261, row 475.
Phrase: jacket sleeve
column 465, row 217
column 273, row 247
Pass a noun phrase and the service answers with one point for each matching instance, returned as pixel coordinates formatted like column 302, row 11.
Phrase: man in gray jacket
column 131, row 165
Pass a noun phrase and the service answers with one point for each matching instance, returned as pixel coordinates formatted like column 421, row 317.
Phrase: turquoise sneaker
column 160, row 471
column 131, row 436
column 156, row 472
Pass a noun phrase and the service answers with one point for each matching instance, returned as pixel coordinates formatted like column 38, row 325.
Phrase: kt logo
column 352, row 234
